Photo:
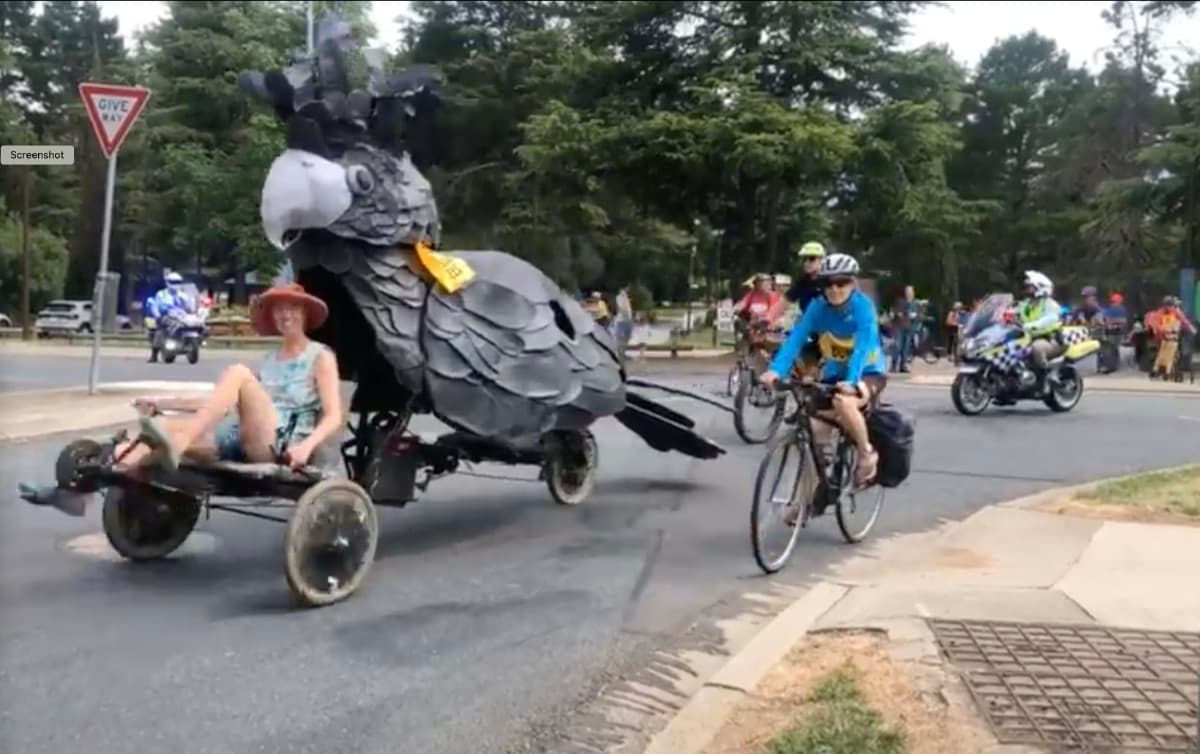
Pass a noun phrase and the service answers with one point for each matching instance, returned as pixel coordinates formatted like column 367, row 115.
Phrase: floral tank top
column 292, row 385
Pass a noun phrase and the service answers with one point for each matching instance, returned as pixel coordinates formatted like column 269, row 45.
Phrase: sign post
column 112, row 110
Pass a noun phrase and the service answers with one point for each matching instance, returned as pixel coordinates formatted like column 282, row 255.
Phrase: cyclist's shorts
column 875, row 384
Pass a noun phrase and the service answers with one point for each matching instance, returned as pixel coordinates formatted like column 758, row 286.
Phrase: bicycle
column 750, row 393
column 834, row 478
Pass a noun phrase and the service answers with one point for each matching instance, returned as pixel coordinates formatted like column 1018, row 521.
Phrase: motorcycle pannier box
column 892, row 433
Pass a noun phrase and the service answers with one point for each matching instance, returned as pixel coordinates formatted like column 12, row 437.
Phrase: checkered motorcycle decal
column 1014, row 352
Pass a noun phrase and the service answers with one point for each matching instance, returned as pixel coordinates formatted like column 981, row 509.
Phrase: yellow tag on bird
column 450, row 273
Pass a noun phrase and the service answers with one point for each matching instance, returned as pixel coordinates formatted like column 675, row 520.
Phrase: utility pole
column 311, row 42
column 26, row 315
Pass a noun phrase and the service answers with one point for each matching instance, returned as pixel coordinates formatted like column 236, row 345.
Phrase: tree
column 48, row 263
column 1023, row 89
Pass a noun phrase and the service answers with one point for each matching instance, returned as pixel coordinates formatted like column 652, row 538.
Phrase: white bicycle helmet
column 839, row 265
column 1042, row 285
column 173, row 278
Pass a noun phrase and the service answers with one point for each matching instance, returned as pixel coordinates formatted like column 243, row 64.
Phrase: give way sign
column 112, row 109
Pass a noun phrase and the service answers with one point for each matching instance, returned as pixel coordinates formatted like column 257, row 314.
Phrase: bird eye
column 359, row 179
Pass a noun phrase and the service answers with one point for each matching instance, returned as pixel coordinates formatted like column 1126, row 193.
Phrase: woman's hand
column 297, row 455
column 146, row 406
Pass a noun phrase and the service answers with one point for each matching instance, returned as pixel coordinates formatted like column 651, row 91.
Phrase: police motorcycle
column 994, row 362
column 184, row 331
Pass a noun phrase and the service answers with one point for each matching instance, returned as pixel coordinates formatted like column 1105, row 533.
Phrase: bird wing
column 511, row 356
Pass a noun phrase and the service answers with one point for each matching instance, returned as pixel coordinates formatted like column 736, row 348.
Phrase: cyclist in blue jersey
column 846, row 324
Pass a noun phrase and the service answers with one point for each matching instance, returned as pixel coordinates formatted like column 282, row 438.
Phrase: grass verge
column 1159, row 497
column 1171, row 493
column 854, row 692
column 841, row 721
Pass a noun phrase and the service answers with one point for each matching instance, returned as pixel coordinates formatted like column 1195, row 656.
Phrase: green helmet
column 811, row 250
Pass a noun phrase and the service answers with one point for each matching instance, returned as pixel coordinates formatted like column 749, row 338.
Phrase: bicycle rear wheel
column 857, row 509
column 780, row 493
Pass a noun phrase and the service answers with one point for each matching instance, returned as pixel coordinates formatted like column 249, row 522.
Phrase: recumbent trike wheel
column 570, row 470
column 142, row 527
column 330, row 542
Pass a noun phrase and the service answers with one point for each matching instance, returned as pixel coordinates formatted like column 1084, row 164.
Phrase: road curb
column 699, row 720
column 83, row 414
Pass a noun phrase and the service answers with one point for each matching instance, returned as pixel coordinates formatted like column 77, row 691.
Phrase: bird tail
column 664, row 428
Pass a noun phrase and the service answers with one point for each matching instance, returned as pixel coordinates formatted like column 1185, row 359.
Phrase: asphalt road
column 491, row 616
column 23, row 371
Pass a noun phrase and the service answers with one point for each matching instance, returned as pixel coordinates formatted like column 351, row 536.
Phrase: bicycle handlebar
column 805, row 385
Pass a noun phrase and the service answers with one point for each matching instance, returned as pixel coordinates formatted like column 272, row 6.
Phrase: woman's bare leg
column 258, row 423
column 203, row 451
column 238, row 387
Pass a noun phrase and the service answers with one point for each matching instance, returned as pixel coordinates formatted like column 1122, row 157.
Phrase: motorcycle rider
column 171, row 299
column 1041, row 318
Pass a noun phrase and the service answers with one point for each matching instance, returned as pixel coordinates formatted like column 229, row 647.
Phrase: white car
column 64, row 317
column 5, row 321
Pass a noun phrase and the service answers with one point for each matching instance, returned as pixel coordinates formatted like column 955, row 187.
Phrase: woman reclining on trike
column 247, row 415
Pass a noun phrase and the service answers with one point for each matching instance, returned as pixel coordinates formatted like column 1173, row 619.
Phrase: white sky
column 969, row 28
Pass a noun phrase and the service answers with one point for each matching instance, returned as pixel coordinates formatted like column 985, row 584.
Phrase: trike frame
column 333, row 519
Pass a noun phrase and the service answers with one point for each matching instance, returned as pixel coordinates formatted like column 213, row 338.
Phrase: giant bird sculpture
column 483, row 340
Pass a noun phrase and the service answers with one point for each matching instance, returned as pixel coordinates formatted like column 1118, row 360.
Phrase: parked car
column 64, row 317
column 5, row 321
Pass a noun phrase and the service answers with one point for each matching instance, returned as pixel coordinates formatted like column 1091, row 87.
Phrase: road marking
column 96, row 546
column 1190, row 418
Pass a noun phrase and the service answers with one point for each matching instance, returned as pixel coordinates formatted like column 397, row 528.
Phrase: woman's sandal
column 866, row 469
column 155, row 435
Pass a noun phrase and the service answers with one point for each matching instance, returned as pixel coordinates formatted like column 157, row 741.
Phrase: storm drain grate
column 1089, row 688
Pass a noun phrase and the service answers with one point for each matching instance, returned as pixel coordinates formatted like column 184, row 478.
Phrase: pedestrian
column 1167, row 324
column 955, row 319
column 905, row 317
column 596, row 307
column 624, row 318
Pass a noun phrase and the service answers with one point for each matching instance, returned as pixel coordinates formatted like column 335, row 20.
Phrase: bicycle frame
column 799, row 422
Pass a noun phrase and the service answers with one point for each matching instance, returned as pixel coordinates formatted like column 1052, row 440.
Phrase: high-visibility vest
column 1034, row 310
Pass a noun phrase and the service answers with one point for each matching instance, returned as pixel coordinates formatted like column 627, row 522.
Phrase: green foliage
column 47, row 263
column 643, row 141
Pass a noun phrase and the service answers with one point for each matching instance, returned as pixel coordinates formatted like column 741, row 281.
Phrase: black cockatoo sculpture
column 505, row 356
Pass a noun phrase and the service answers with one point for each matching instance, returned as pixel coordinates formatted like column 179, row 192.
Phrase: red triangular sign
column 112, row 109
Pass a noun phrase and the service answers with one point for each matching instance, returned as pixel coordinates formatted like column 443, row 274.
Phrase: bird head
column 347, row 171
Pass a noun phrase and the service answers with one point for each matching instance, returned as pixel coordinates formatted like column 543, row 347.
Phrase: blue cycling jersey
column 848, row 336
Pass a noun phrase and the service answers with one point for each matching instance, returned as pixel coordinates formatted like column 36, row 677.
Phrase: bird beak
column 303, row 191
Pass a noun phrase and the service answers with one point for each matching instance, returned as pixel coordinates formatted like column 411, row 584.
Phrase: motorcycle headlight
column 172, row 343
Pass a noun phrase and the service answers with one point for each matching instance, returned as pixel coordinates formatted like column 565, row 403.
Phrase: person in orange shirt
column 1166, row 324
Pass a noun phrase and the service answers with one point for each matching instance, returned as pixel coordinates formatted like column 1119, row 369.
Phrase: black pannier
column 892, row 433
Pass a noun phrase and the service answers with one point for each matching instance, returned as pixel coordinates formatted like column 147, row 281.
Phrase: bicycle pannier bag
column 892, row 433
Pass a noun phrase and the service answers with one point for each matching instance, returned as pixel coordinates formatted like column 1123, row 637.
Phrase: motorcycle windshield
column 990, row 312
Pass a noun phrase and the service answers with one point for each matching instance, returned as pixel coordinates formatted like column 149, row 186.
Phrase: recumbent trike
column 332, row 532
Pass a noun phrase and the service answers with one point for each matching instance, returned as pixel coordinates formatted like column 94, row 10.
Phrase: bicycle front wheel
column 857, row 509
column 781, row 497
column 757, row 411
column 733, row 380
